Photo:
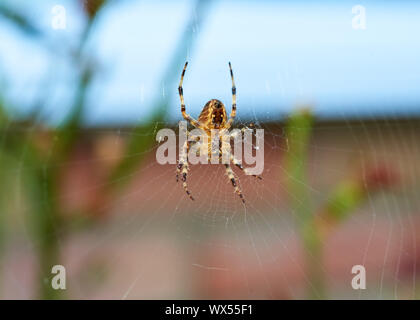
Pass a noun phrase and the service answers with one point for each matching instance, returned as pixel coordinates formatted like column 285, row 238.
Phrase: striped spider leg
column 212, row 117
column 183, row 167
column 236, row 161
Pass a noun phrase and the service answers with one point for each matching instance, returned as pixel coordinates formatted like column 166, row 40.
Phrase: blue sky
column 283, row 54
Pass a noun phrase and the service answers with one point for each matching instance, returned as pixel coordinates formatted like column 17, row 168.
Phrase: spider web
column 249, row 248
column 157, row 243
column 217, row 247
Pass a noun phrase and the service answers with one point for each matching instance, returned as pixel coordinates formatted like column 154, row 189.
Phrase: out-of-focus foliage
column 41, row 151
column 346, row 197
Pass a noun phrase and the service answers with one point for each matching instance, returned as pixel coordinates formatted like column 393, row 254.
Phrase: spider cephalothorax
column 213, row 116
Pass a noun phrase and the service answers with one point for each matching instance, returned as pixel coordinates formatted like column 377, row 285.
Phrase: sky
column 284, row 54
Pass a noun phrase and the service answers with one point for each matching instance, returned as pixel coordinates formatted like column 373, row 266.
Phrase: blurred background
column 86, row 85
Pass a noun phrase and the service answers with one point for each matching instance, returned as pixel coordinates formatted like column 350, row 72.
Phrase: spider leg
column 238, row 163
column 182, row 168
column 183, row 157
column 178, row 170
column 235, row 133
column 186, row 116
column 231, row 176
column 233, row 113
column 185, row 169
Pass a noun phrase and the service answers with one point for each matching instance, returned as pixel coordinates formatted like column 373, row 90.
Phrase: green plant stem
column 298, row 133
column 47, row 222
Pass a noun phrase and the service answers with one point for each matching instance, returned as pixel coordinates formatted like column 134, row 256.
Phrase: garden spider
column 213, row 116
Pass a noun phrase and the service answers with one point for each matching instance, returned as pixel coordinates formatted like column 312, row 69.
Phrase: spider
column 213, row 116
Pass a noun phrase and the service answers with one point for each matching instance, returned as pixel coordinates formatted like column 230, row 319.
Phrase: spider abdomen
column 213, row 115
